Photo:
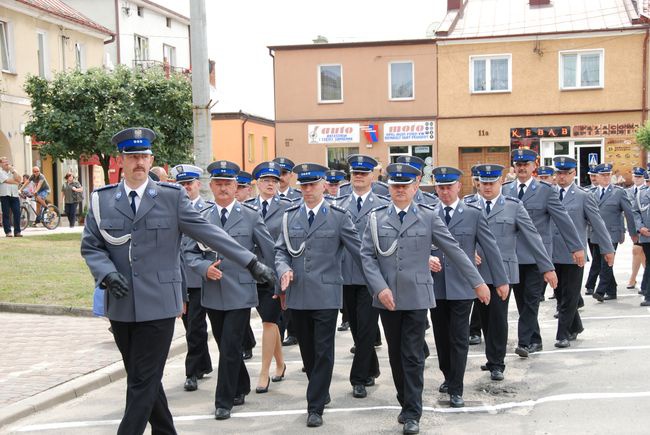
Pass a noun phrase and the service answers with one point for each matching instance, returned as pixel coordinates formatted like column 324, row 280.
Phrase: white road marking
column 491, row 409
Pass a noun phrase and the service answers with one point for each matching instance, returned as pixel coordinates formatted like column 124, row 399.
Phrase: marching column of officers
column 390, row 251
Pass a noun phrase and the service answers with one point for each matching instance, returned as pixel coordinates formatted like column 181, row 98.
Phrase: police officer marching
column 395, row 252
column 131, row 228
column 421, row 197
column 333, row 180
column 229, row 291
column 285, row 190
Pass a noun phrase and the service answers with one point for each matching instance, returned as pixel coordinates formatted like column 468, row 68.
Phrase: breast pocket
column 326, row 240
column 114, row 226
column 416, row 236
column 464, row 236
column 503, row 226
column 386, row 237
column 156, row 229
column 296, row 237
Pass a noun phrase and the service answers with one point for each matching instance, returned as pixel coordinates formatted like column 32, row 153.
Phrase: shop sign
column 332, row 133
column 619, row 129
column 409, row 131
column 371, row 132
column 529, row 132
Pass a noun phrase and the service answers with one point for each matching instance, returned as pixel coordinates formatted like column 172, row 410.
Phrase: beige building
column 245, row 139
column 39, row 37
column 376, row 98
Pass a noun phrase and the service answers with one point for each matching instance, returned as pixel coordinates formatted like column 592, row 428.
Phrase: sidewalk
column 63, row 228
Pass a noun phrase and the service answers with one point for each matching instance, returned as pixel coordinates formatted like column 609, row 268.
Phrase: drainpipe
column 243, row 139
column 275, row 112
column 117, row 32
column 644, row 87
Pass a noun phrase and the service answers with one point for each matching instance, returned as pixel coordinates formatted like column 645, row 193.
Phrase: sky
column 240, row 31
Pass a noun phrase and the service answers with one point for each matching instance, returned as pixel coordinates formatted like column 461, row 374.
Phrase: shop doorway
column 470, row 156
column 579, row 149
column 582, row 155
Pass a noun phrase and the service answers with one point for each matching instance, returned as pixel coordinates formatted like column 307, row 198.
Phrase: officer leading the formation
column 131, row 229
column 395, row 257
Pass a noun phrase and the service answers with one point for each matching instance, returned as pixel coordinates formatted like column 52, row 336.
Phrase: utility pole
column 201, row 92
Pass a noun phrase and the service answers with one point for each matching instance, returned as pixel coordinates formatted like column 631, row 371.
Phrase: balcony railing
column 165, row 66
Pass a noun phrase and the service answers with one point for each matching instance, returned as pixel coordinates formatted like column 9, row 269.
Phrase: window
column 265, row 148
column 5, row 59
column 141, row 45
column 64, row 47
column 490, row 73
column 337, row 157
column 168, row 21
column 42, row 53
column 80, row 56
column 401, row 81
column 169, row 54
column 251, row 147
column 140, row 11
column 330, row 84
column 582, row 69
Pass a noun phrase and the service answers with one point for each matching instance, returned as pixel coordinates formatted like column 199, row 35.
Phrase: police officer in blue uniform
column 543, row 205
column 130, row 231
column 421, row 197
column 333, row 181
column 197, row 361
column 547, row 174
column 308, row 262
column 285, row 190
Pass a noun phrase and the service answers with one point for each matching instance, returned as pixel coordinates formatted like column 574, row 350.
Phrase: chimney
column 453, row 5
column 540, row 2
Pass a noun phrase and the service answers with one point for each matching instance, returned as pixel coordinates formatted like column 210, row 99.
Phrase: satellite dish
column 428, row 160
column 431, row 29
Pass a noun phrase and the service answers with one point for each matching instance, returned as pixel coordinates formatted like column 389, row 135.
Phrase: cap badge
column 520, row 152
column 271, row 164
column 137, row 133
column 488, row 168
column 443, row 170
column 223, row 164
column 399, row 168
column 305, row 168
column 360, row 159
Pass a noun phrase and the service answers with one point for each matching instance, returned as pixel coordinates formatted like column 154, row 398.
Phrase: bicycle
column 49, row 216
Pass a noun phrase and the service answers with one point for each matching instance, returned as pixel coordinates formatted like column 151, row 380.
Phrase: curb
column 74, row 388
column 50, row 310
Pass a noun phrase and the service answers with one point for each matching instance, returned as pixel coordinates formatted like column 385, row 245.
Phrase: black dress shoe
column 631, row 286
column 573, row 336
column 598, row 297
column 247, row 354
column 535, row 347
column 262, row 390
column 443, row 388
column 589, row 291
column 485, row 368
column 191, row 384
column 400, row 418
column 314, row 420
column 222, row 414
column 609, row 297
column 645, row 304
column 562, row 343
column 359, row 391
column 411, row 427
column 353, row 349
column 370, row 381
column 456, row 401
column 290, row 340
column 378, row 343
column 474, row 340
column 556, row 315
column 344, row 326
column 581, row 303
column 496, row 375
column 328, row 399
column 239, row 400
column 522, row 351
column 281, row 377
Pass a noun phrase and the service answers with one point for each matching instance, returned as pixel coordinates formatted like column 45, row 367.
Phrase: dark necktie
column 636, row 190
column 132, row 195
column 562, row 194
column 264, row 208
column 522, row 186
column 310, row 219
column 224, row 218
column 447, row 215
column 401, row 215
column 602, row 192
column 488, row 206
column 359, row 204
column 282, row 195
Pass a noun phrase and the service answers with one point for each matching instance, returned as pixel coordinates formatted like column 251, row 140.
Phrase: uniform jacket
column 192, row 279
column 642, row 217
column 352, row 273
column 274, row 212
column 469, row 227
column 406, row 271
column 317, row 276
column 422, row 197
column 509, row 221
column 236, row 289
column 543, row 204
column 154, row 269
column 293, row 194
column 583, row 210
column 615, row 204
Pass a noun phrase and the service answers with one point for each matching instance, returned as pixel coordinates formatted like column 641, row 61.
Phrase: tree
column 76, row 114
column 643, row 136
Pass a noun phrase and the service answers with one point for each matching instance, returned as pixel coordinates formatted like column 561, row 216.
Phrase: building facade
column 241, row 138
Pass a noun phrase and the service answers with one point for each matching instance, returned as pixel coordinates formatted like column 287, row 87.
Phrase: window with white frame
column 582, row 69
column 330, row 83
column 490, row 73
column 401, row 80
column 141, row 46
column 41, row 53
column 5, row 47
column 169, row 54
column 80, row 56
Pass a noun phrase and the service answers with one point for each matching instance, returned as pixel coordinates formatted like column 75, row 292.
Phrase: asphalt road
column 598, row 385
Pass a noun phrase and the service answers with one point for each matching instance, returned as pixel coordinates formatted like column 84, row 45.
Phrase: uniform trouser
column 197, row 360
column 144, row 347
column 607, row 284
column 494, row 320
column 645, row 284
column 594, row 270
column 229, row 328
column 10, row 213
column 569, row 280
column 315, row 331
column 286, row 325
column 475, row 319
column 249, row 339
column 450, row 321
column 362, row 317
column 404, row 332
column 527, row 295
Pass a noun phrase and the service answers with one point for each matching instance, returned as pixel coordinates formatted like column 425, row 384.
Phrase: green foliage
column 643, row 136
column 77, row 113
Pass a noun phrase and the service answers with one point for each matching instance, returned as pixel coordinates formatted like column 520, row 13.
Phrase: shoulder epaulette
column 346, row 184
column 545, row 183
column 251, row 206
column 337, row 208
column 510, row 198
column 285, row 199
column 250, row 201
column 507, row 183
column 427, row 206
column 292, row 208
column 429, row 194
column 342, row 197
column 472, row 205
column 582, row 188
column 108, row 186
column 470, row 198
column 380, row 207
column 615, row 186
column 172, row 185
column 384, row 197
column 382, row 183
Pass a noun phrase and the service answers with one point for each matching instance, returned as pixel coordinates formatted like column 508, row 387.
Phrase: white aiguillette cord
column 110, row 239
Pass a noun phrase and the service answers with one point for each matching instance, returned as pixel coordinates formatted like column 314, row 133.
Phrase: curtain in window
column 590, row 70
column 401, row 77
column 569, row 69
column 4, row 46
column 330, row 83
column 499, row 74
column 479, row 75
